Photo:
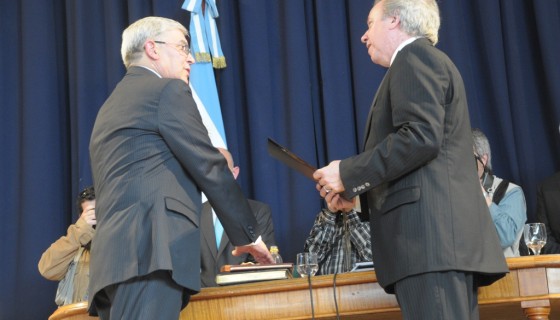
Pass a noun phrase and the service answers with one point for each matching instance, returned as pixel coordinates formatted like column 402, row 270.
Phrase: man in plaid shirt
column 340, row 240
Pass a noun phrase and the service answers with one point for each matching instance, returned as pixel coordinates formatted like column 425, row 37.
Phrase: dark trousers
column 149, row 297
column 449, row 295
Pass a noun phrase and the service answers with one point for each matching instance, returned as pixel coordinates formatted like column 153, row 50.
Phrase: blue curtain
column 297, row 72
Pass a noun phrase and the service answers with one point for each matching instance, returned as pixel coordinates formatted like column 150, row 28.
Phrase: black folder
column 290, row 159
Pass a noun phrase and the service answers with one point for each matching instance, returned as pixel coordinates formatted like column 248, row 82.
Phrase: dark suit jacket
column 151, row 158
column 548, row 212
column 418, row 175
column 212, row 258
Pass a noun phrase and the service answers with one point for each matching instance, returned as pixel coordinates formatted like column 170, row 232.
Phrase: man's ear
column 235, row 171
column 395, row 22
column 151, row 50
column 484, row 159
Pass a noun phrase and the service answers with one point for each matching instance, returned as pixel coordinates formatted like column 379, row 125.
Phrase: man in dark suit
column 214, row 254
column 433, row 240
column 548, row 212
column 151, row 157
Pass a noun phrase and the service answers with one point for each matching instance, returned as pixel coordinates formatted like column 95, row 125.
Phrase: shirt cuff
column 354, row 218
column 259, row 240
column 328, row 216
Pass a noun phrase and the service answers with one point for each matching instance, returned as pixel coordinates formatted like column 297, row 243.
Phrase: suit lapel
column 370, row 115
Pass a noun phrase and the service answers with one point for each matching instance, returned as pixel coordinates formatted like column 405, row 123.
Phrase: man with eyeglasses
column 151, row 157
column 505, row 200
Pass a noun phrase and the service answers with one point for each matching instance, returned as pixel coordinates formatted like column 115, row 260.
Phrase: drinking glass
column 535, row 236
column 307, row 264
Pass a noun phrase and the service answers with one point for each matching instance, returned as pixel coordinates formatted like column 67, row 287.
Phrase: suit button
column 354, row 189
column 367, row 184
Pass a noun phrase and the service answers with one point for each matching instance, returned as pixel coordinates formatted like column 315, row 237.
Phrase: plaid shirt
column 327, row 239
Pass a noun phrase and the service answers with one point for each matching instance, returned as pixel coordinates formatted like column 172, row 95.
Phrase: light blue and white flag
column 217, row 136
column 207, row 51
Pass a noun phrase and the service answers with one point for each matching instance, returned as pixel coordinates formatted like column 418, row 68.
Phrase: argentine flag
column 207, row 51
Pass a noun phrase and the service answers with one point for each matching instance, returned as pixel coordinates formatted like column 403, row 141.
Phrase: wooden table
column 530, row 291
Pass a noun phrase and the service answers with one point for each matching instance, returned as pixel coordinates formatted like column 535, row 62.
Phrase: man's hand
column 88, row 215
column 335, row 202
column 259, row 251
column 328, row 179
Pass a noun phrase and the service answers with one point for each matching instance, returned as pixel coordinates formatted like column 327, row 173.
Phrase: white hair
column 481, row 146
column 418, row 17
column 134, row 37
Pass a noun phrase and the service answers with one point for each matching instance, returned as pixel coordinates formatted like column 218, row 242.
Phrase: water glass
column 306, row 263
column 535, row 236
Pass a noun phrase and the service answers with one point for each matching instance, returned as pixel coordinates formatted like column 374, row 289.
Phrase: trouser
column 449, row 295
column 153, row 296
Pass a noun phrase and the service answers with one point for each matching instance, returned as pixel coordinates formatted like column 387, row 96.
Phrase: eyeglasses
column 477, row 159
column 181, row 47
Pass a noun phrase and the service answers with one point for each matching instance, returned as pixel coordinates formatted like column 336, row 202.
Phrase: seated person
column 56, row 260
column 215, row 254
column 504, row 199
column 340, row 240
column 548, row 212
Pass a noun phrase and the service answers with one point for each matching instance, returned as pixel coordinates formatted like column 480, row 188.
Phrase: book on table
column 254, row 267
column 233, row 274
column 363, row 266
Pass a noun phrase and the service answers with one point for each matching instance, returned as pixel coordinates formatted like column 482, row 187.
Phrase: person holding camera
column 67, row 259
column 340, row 239
column 505, row 200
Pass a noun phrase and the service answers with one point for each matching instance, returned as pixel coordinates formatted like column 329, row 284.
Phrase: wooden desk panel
column 532, row 287
column 533, row 283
